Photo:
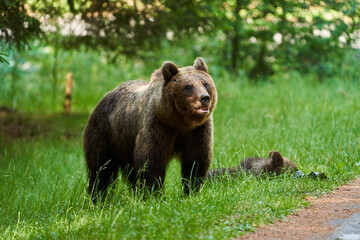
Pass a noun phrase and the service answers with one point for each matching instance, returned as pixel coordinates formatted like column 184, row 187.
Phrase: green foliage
column 3, row 59
column 255, row 36
column 16, row 24
column 131, row 28
column 28, row 82
column 268, row 36
column 121, row 27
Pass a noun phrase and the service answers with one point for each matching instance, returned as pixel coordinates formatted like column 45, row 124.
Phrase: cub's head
column 279, row 164
column 191, row 91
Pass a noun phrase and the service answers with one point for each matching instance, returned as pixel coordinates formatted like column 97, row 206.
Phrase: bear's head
column 191, row 92
column 278, row 164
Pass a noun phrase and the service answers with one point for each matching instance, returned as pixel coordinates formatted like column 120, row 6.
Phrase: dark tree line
column 262, row 35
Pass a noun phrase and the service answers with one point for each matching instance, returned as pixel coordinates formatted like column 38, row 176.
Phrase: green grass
column 42, row 172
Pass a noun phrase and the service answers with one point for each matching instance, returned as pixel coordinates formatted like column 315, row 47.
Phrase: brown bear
column 274, row 164
column 139, row 126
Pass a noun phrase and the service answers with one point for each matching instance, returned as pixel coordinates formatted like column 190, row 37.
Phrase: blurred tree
column 17, row 24
column 132, row 27
column 260, row 36
column 123, row 26
column 281, row 34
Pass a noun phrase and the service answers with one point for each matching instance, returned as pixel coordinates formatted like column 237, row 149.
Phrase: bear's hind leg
column 101, row 178
column 102, row 167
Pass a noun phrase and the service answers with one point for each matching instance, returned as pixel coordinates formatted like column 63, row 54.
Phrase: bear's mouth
column 202, row 110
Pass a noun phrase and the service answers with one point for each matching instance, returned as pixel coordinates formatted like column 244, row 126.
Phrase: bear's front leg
column 153, row 151
column 195, row 150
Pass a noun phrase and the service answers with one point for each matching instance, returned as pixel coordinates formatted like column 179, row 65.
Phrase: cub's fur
column 139, row 126
column 274, row 164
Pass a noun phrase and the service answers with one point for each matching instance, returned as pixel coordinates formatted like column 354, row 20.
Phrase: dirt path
column 318, row 221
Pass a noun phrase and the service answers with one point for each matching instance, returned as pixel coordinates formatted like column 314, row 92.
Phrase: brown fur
column 139, row 126
column 274, row 164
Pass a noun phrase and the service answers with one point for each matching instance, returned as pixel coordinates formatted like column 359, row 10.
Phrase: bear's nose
column 205, row 99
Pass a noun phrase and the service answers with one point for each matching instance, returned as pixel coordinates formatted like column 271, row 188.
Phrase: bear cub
column 139, row 126
column 274, row 164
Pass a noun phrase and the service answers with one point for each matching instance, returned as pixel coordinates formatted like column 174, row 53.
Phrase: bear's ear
column 277, row 160
column 169, row 70
column 199, row 64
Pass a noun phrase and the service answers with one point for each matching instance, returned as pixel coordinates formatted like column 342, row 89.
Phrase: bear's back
column 132, row 99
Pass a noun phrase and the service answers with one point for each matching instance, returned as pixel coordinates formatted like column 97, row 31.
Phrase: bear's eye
column 189, row 87
column 206, row 84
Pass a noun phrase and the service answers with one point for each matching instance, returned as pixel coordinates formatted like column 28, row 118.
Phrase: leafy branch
column 2, row 59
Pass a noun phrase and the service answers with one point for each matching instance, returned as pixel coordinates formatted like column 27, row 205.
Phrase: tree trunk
column 235, row 39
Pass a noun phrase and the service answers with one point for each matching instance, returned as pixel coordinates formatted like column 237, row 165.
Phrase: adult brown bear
column 139, row 126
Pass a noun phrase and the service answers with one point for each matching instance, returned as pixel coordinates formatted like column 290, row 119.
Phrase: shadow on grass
column 27, row 126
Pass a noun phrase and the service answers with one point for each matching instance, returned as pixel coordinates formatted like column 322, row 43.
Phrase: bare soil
column 317, row 221
column 26, row 126
column 14, row 125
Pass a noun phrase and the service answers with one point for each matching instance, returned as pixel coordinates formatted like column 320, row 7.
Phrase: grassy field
column 42, row 170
